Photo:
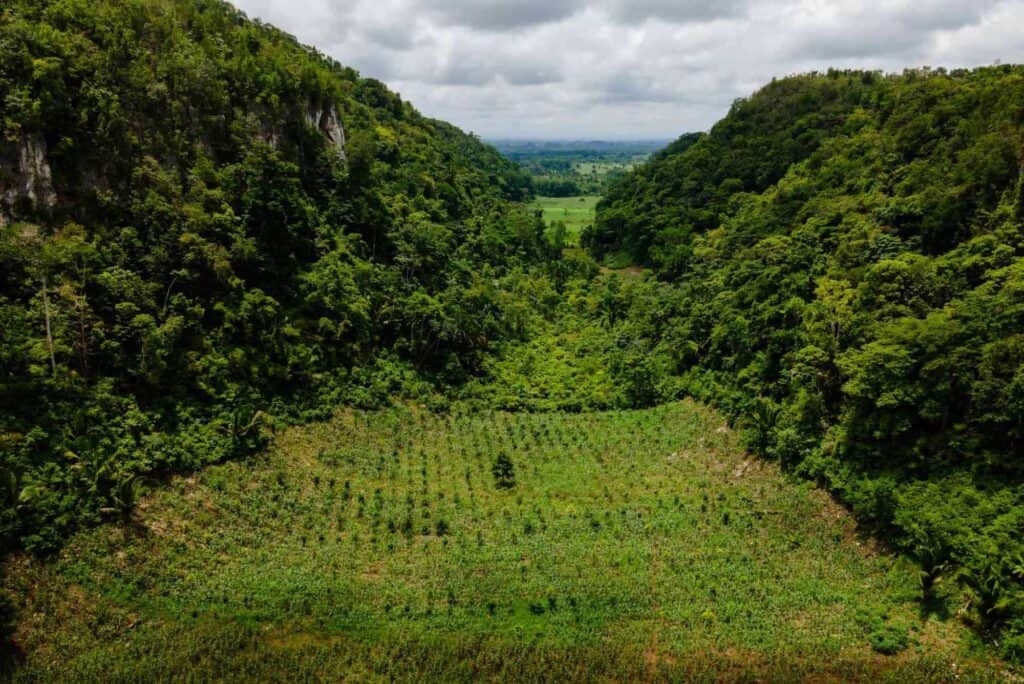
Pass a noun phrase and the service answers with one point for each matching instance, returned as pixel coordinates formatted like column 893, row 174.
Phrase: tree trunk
column 83, row 337
column 49, row 333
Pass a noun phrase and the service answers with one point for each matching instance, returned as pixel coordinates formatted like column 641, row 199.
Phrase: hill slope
column 844, row 259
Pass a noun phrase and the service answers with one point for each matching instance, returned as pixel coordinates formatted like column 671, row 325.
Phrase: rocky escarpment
column 324, row 119
column 327, row 121
column 26, row 182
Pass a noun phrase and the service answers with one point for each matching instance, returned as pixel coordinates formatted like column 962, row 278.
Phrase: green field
column 603, row 168
column 589, row 166
column 575, row 212
column 633, row 545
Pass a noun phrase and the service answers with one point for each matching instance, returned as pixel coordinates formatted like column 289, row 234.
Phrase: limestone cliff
column 25, row 178
column 327, row 121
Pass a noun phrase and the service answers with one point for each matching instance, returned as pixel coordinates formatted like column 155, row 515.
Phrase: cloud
column 315, row 21
column 859, row 30
column 996, row 37
column 464, row 70
column 501, row 15
column 631, row 87
column 630, row 68
column 632, row 11
column 390, row 39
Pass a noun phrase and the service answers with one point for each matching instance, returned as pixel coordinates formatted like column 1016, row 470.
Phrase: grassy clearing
column 575, row 212
column 633, row 545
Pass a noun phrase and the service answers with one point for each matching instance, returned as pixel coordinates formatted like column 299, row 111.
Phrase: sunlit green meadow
column 575, row 212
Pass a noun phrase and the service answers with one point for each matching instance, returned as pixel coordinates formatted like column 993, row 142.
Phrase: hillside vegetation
column 205, row 223
column 211, row 235
column 482, row 546
column 841, row 270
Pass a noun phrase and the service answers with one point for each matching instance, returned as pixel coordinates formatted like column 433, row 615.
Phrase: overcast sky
column 629, row 69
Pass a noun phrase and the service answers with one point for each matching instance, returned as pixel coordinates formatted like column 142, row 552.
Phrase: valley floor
column 575, row 212
column 633, row 545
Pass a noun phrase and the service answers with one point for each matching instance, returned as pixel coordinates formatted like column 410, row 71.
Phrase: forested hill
column 208, row 230
column 843, row 267
column 201, row 219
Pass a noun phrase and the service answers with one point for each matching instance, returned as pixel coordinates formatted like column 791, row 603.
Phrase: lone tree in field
column 504, row 472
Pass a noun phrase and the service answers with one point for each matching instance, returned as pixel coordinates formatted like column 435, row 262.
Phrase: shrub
column 504, row 472
column 889, row 638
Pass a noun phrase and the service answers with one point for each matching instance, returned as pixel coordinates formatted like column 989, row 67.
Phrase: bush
column 504, row 472
column 889, row 639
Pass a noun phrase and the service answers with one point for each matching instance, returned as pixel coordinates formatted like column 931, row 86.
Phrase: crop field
column 576, row 212
column 601, row 168
column 406, row 545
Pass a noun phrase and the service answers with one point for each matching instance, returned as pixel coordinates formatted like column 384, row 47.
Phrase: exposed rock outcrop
column 268, row 134
column 324, row 119
column 25, row 177
column 327, row 121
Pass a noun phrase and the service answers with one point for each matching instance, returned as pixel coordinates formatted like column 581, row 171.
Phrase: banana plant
column 125, row 496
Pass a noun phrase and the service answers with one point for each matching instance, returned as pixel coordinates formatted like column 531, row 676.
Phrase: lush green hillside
column 410, row 546
column 204, row 222
column 209, row 231
column 654, row 213
column 843, row 273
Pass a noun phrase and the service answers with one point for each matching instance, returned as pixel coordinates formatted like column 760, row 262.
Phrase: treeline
column 574, row 168
column 205, row 223
column 840, row 266
column 557, row 187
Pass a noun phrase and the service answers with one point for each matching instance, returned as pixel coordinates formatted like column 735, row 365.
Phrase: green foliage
column 566, row 169
column 747, row 152
column 888, row 638
column 504, row 472
column 125, row 496
column 837, row 264
column 843, row 266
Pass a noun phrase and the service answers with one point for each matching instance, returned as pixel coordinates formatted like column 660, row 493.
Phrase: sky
column 629, row 69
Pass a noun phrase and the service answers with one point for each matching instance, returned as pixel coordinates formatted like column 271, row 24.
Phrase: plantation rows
column 598, row 526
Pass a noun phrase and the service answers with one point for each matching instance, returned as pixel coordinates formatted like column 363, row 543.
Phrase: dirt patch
column 837, row 517
column 740, row 470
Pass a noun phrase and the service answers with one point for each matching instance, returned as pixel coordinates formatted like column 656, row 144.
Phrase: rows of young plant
column 569, row 531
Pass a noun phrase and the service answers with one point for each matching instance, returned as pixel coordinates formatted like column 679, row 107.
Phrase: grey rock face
column 327, row 121
column 268, row 134
column 25, row 175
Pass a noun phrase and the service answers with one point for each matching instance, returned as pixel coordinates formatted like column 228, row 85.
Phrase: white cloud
column 629, row 68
